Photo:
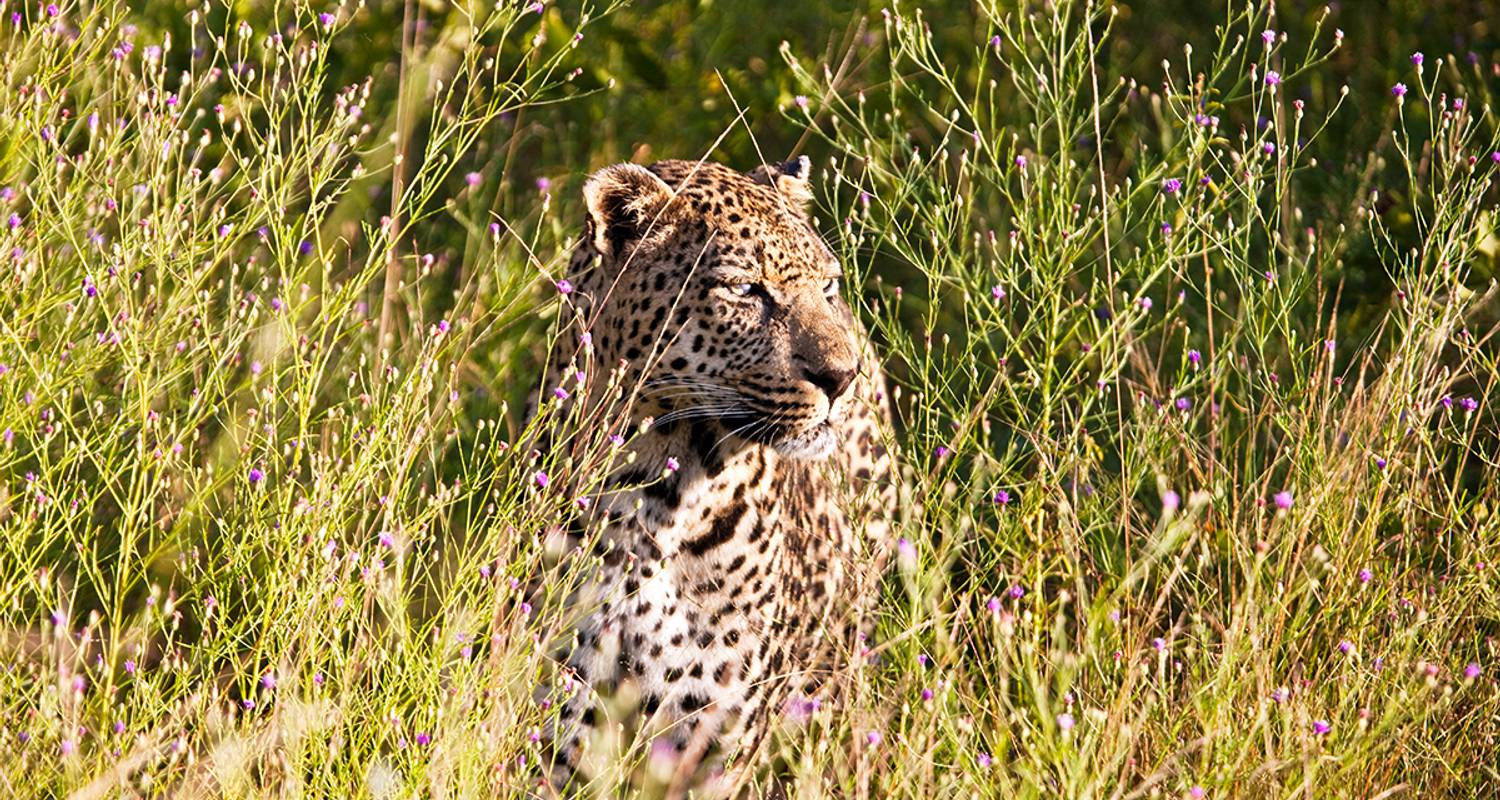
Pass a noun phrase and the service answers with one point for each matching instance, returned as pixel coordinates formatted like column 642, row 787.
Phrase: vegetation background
column 1190, row 306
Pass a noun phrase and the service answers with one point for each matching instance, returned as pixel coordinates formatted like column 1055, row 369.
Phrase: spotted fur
column 725, row 586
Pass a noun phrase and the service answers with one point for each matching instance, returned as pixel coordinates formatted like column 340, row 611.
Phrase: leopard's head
column 714, row 287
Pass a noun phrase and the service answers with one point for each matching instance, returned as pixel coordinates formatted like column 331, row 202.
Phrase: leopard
column 740, row 533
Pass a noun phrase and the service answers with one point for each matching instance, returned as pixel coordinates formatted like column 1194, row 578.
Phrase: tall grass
column 1179, row 520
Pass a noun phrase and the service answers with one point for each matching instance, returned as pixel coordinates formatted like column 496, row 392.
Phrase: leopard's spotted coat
column 727, row 585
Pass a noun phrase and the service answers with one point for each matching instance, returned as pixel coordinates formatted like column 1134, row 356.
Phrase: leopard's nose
column 834, row 381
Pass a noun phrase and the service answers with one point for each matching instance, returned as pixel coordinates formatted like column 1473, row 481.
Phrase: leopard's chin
column 814, row 444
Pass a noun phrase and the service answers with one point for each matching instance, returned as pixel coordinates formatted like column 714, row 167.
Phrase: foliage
column 1193, row 375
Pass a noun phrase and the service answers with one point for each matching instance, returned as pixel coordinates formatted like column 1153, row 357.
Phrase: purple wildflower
column 906, row 553
column 1399, row 90
column 1283, row 500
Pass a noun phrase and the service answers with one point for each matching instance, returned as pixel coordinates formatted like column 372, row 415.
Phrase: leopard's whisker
column 691, row 412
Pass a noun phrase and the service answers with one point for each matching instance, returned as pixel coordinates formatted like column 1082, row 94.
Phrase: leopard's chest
column 691, row 576
column 709, row 598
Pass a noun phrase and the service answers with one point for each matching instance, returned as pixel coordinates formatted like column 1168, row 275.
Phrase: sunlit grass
column 1178, row 522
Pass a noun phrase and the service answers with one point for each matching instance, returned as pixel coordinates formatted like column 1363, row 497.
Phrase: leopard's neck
column 681, row 479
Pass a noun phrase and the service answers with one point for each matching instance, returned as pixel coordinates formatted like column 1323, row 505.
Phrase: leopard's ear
column 790, row 178
column 624, row 202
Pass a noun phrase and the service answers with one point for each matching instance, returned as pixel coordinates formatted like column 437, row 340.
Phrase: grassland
column 1190, row 313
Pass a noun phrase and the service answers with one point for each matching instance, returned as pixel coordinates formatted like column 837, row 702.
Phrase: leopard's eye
column 742, row 289
column 831, row 288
